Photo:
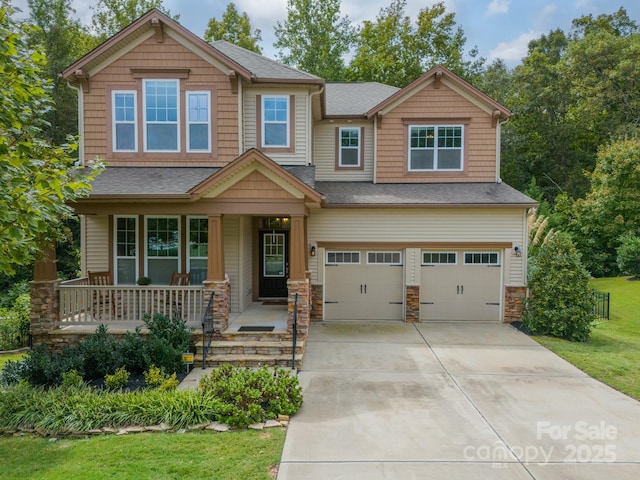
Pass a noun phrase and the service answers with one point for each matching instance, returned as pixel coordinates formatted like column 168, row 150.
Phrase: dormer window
column 161, row 106
column 436, row 147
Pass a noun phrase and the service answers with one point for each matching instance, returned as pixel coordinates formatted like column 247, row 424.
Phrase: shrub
column 118, row 380
column 629, row 255
column 72, row 379
column 131, row 352
column 12, row 372
column 100, row 354
column 42, row 367
column 14, row 324
column 249, row 395
column 168, row 339
column 560, row 304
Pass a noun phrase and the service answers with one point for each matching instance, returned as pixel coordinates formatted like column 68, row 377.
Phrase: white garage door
column 363, row 285
column 460, row 285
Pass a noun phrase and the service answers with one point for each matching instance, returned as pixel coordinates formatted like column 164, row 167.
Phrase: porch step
column 252, row 348
column 248, row 360
column 230, row 336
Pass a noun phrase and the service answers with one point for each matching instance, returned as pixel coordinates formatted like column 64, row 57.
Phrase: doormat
column 275, row 302
column 256, row 328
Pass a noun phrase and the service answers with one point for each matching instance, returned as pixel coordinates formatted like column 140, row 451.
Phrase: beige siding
column 432, row 105
column 231, row 232
column 416, row 226
column 302, row 118
column 97, row 243
column 324, row 153
column 246, row 265
column 117, row 75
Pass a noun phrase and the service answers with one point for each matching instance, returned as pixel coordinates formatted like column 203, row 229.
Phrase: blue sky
column 499, row 28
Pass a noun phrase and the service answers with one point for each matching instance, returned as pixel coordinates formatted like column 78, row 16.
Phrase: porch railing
column 81, row 303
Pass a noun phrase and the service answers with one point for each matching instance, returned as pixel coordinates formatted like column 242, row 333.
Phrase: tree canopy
column 38, row 179
column 111, row 16
column 234, row 28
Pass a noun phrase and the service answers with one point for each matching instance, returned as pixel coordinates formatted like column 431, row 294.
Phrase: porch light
column 312, row 251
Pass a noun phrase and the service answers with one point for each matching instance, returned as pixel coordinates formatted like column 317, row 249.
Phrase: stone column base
column 302, row 288
column 221, row 303
column 513, row 303
column 45, row 310
column 317, row 302
column 412, row 304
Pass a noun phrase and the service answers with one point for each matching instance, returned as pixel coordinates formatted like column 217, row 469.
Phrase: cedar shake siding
column 170, row 60
column 431, row 106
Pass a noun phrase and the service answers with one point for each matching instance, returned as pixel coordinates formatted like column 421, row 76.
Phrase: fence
column 602, row 304
column 13, row 335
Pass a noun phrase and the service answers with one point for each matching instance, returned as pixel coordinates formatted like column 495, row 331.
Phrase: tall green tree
column 111, row 16
column 315, row 38
column 38, row 179
column 234, row 28
column 394, row 51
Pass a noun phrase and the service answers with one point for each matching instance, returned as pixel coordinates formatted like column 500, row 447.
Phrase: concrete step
column 222, row 347
column 253, row 360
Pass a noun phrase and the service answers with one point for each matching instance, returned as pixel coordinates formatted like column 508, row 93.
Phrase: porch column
column 215, row 262
column 298, row 282
column 45, row 298
column 297, row 249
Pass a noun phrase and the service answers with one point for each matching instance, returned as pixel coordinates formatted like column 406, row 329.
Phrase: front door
column 274, row 263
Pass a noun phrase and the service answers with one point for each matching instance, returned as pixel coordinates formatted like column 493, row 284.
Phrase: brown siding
column 437, row 105
column 169, row 54
column 255, row 186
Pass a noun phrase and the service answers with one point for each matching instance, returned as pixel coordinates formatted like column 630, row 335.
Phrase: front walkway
column 452, row 400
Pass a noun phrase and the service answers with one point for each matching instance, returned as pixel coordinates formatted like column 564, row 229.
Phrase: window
column 163, row 248
column 126, row 258
column 349, row 150
column 481, row 258
column 161, row 115
column 125, row 136
column 435, row 147
column 198, row 249
column 384, row 258
column 336, row 258
column 275, row 122
column 198, row 122
column 439, row 258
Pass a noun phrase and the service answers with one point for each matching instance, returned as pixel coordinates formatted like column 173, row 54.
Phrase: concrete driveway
column 453, row 401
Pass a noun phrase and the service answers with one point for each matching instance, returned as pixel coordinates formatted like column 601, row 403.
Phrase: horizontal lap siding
column 420, row 226
column 324, row 153
column 441, row 103
column 246, row 255
column 231, row 235
column 169, row 54
column 97, row 243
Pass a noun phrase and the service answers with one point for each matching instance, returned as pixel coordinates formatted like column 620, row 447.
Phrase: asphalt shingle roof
column 366, row 193
column 343, row 99
column 262, row 67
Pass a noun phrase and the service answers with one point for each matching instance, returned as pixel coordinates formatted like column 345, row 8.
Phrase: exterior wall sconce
column 517, row 251
column 312, row 251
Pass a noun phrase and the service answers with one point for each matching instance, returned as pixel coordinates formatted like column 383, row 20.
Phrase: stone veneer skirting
column 412, row 304
column 513, row 303
column 303, row 289
column 317, row 302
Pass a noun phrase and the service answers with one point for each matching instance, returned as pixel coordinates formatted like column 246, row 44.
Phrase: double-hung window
column 161, row 107
column 349, row 147
column 436, row 147
column 275, row 121
column 198, row 122
column 125, row 131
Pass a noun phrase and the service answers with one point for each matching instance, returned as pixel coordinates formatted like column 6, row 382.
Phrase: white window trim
column 359, row 262
column 435, row 149
column 440, row 264
column 482, row 253
column 117, row 257
column 264, row 121
column 144, row 114
column 384, row 263
column 188, row 237
column 340, row 147
column 114, row 122
column 189, row 123
column 146, row 243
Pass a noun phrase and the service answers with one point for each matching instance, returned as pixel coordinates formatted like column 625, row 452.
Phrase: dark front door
column 274, row 263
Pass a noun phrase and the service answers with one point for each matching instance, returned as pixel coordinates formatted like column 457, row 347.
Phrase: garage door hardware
column 329, row 302
column 460, row 289
column 493, row 303
column 365, row 287
column 426, row 303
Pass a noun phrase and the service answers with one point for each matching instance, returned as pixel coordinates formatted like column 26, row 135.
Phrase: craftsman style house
column 262, row 181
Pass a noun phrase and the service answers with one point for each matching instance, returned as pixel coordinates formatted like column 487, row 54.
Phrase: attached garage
column 460, row 285
column 364, row 285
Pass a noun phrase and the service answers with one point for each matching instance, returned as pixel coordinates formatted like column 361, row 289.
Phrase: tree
column 234, row 28
column 629, row 255
column 314, row 38
column 111, row 16
column 38, row 179
column 392, row 50
column 611, row 208
column 560, row 304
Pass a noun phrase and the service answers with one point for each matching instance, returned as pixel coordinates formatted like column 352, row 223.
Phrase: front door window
column 274, row 260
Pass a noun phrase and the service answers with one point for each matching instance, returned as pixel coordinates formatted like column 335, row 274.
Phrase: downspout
column 310, row 129
column 498, row 148
column 240, row 118
column 375, row 149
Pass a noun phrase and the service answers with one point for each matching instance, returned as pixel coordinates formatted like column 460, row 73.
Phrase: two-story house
column 371, row 202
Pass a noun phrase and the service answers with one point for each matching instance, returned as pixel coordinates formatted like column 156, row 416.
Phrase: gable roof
column 263, row 69
column 355, row 99
column 436, row 74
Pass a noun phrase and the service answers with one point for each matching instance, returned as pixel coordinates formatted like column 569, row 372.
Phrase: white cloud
column 514, row 50
column 497, row 7
column 546, row 14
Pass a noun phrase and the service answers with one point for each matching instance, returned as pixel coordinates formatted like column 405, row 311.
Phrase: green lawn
column 244, row 454
column 5, row 357
column 612, row 355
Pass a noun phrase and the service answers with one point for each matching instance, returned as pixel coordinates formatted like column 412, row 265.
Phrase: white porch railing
column 82, row 304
